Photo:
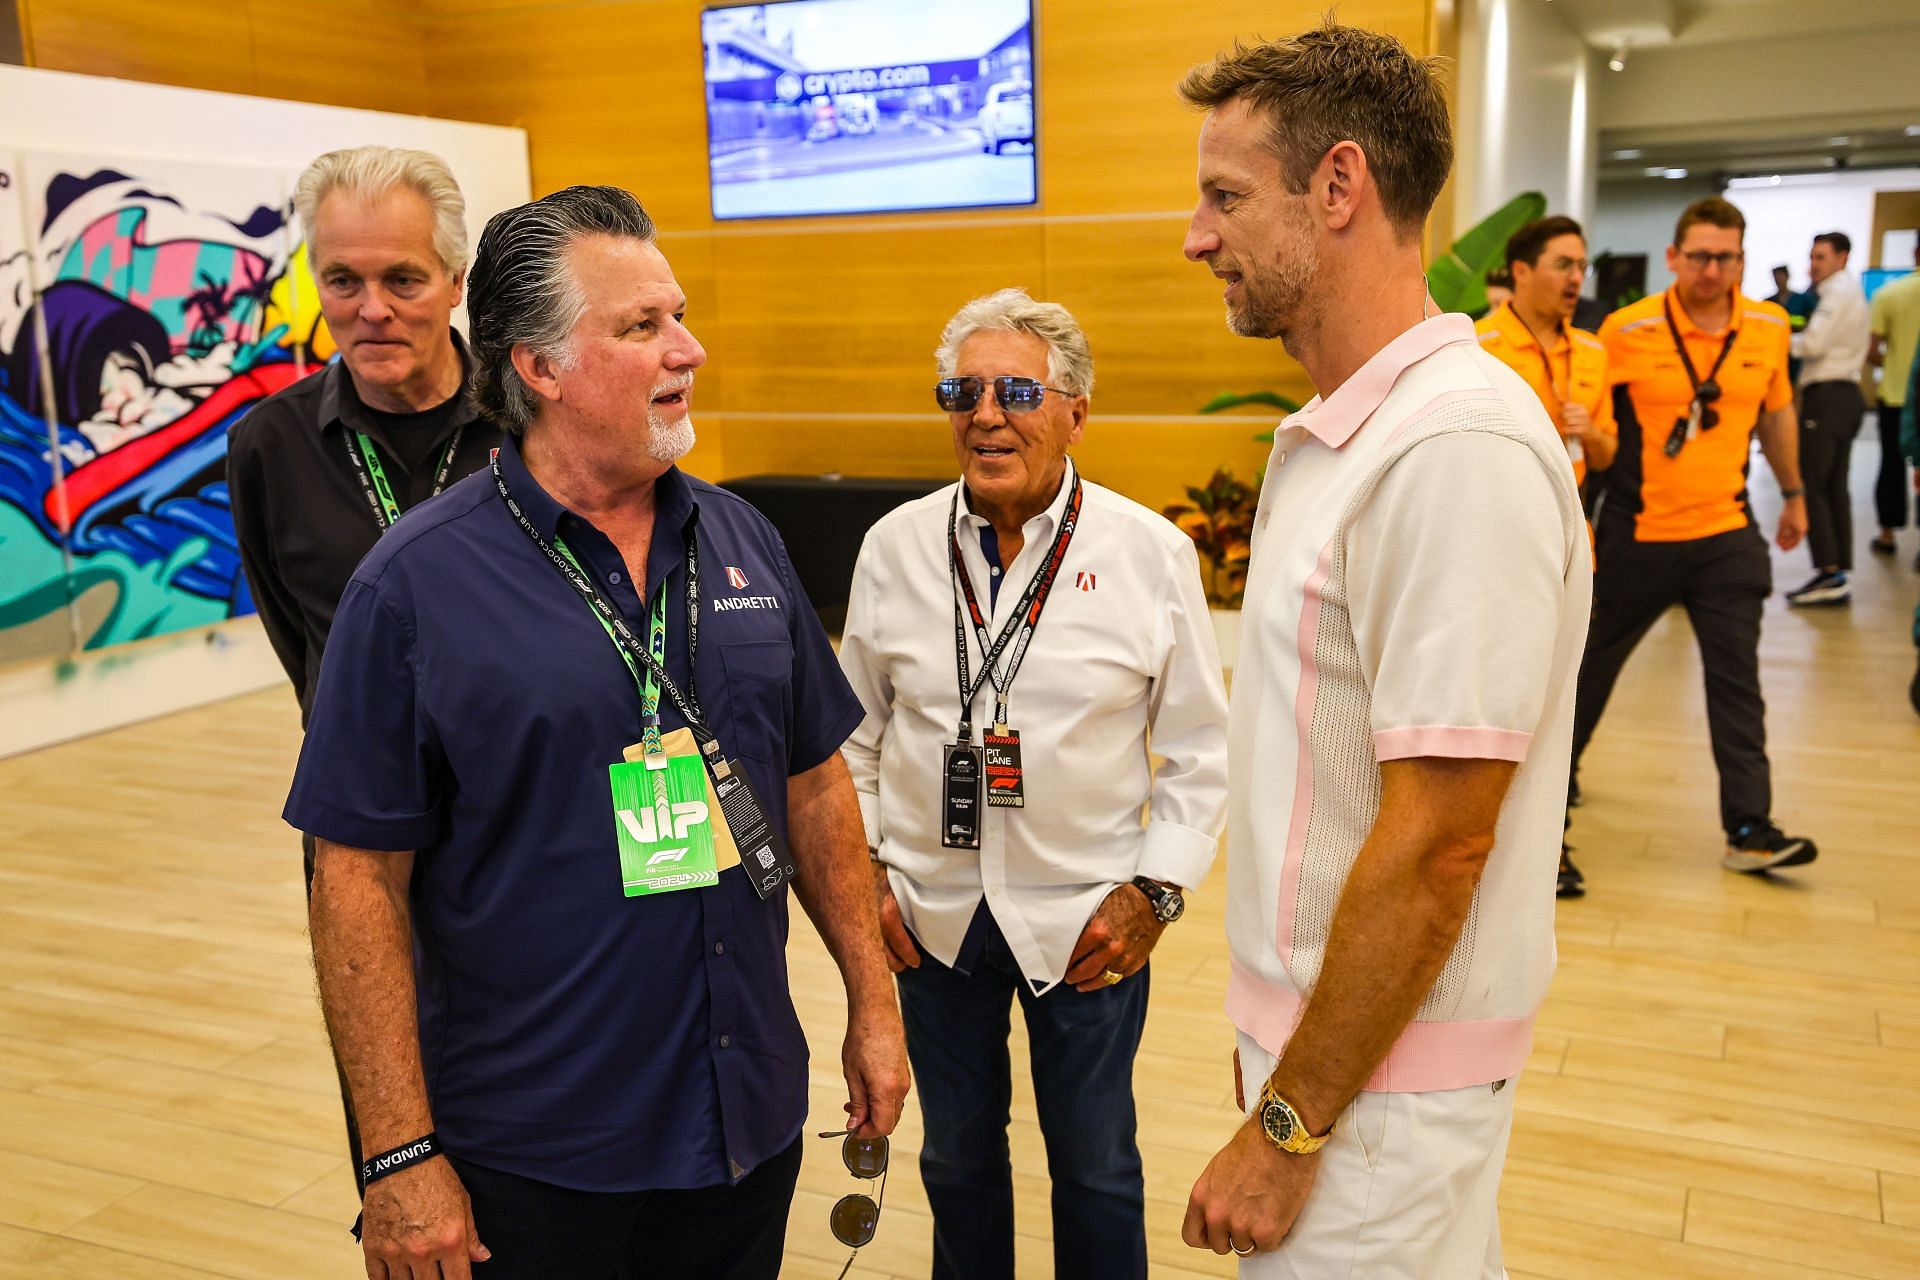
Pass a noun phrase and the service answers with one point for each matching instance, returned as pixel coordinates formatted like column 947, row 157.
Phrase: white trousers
column 1407, row 1189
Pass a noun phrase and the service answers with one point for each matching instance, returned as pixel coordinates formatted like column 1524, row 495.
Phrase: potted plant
column 1219, row 519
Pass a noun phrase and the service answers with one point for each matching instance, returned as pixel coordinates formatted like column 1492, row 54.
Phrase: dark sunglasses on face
column 1015, row 395
column 856, row 1216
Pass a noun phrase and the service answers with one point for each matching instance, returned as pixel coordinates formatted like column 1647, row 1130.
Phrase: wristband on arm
column 388, row 1163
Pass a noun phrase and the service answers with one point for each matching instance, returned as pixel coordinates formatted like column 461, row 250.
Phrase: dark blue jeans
column 1083, row 1047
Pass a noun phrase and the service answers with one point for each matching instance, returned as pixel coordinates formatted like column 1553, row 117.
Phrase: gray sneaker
column 1761, row 846
column 1822, row 588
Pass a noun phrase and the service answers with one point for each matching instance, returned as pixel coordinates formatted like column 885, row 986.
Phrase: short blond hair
column 1342, row 84
column 371, row 172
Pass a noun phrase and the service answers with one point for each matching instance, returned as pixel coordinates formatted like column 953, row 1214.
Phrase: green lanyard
column 373, row 474
column 643, row 677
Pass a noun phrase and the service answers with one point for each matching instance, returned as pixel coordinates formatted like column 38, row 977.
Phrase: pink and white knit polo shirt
column 1420, row 587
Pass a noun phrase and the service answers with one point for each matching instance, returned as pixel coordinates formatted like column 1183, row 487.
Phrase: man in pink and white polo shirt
column 1402, row 710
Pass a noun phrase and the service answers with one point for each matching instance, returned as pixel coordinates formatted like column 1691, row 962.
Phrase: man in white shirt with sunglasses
column 1016, row 638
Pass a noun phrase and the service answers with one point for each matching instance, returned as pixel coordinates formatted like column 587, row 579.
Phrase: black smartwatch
column 1167, row 904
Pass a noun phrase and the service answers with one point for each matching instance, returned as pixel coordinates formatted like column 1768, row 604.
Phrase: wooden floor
column 1726, row 1081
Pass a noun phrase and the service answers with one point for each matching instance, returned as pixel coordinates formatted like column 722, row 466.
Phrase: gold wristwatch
column 1284, row 1127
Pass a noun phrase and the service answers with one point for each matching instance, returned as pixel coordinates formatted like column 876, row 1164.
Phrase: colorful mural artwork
column 144, row 307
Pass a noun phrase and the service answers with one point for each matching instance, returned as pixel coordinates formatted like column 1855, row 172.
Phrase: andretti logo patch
column 736, row 579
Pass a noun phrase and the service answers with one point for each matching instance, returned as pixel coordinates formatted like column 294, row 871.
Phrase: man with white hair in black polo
column 1002, row 770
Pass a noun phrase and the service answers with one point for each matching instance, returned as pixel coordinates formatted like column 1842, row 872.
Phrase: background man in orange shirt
column 1698, row 371
column 1532, row 333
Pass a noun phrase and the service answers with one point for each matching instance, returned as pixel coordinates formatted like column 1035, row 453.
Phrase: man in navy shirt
column 562, row 1010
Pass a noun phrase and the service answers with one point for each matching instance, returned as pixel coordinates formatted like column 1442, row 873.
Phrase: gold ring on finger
column 1109, row 977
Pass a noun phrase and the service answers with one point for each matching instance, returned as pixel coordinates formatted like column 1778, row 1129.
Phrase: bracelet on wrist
column 388, row 1163
column 1790, row 494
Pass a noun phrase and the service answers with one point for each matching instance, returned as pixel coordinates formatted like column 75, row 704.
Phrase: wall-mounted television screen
column 863, row 106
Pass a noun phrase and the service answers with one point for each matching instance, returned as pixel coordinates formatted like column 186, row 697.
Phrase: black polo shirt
column 300, row 513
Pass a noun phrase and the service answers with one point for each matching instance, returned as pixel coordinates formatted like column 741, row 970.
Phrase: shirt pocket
column 756, row 714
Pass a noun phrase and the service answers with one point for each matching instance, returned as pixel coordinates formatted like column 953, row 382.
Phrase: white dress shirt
column 1124, row 653
column 1834, row 343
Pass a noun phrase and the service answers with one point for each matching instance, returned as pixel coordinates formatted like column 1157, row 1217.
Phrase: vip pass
column 969, row 774
column 663, row 799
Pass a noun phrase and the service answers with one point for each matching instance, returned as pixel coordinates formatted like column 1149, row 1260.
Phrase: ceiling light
column 1841, row 141
column 1618, row 62
column 1673, row 173
column 1913, row 131
column 1627, row 153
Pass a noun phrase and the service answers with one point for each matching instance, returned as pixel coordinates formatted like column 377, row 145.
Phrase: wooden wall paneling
column 608, row 93
column 372, row 56
column 201, row 46
column 350, row 53
column 847, row 320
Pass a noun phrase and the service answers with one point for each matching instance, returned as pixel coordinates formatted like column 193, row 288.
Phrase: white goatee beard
column 668, row 441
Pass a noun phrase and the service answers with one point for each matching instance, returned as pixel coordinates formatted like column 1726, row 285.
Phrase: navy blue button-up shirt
column 468, row 707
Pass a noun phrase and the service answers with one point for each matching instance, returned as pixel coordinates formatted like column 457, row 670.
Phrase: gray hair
column 371, row 172
column 1069, row 359
column 522, row 291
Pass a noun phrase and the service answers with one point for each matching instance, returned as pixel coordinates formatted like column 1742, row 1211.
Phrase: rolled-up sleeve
column 371, row 771
column 1187, row 728
column 1457, row 568
column 861, row 664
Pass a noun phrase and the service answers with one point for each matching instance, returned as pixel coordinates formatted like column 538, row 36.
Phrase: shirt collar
column 1517, row 331
column 674, row 507
column 1334, row 419
column 1840, row 280
column 1670, row 303
column 339, row 403
column 1051, row 515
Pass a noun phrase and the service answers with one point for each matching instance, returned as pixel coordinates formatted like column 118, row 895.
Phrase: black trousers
column 537, row 1231
column 1830, row 414
column 346, row 1095
column 1891, row 500
column 1722, row 581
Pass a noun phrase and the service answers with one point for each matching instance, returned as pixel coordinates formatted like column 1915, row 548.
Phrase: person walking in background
column 1895, row 321
column 1566, row 367
column 1698, row 371
column 1833, row 349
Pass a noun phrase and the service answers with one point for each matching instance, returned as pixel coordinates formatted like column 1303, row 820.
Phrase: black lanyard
column 632, row 647
column 373, row 476
column 1024, row 621
column 1686, row 360
column 1546, row 361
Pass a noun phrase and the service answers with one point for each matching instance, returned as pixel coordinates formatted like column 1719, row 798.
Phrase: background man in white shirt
column 1057, row 901
column 1402, row 713
column 1833, row 348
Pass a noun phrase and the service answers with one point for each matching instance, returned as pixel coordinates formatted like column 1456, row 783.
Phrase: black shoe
column 1883, row 546
column 1761, row 846
column 1572, row 884
column 1913, row 691
column 1573, row 791
column 1822, row 588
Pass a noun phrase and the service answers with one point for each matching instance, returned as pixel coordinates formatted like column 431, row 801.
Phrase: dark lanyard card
column 1006, row 781
column 960, row 797
column 763, row 854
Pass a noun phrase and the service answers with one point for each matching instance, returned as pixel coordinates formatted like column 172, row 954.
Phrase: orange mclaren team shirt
column 1575, row 374
column 1703, row 489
